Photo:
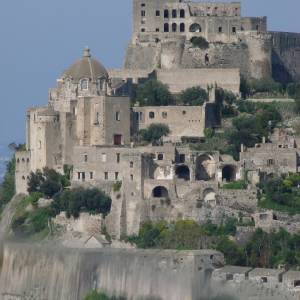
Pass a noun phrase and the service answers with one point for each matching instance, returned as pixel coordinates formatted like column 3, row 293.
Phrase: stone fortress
column 90, row 125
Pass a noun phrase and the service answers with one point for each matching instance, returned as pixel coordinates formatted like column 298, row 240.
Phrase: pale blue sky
column 41, row 38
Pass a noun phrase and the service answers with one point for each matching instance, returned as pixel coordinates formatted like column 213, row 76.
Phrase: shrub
column 194, row 96
column 200, row 42
column 154, row 133
column 117, row 186
column 79, row 200
column 237, row 185
column 7, row 188
column 153, row 93
column 94, row 295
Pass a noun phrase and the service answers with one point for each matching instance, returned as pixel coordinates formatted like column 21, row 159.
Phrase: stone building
column 162, row 33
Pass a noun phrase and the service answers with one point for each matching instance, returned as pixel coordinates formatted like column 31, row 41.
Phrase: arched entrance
column 160, row 192
column 183, row 172
column 209, row 196
column 195, row 28
column 229, row 173
column 205, row 168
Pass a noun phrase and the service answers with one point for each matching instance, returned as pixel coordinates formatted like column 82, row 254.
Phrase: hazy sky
column 41, row 38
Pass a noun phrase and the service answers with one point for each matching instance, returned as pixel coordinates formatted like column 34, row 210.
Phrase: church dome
column 86, row 67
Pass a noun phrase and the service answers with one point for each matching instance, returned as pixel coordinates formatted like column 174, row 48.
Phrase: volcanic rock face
column 29, row 272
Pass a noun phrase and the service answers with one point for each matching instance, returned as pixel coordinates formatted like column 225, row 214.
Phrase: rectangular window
column 157, row 13
column 103, row 158
column 270, row 162
column 106, row 175
column 157, row 29
column 233, row 29
column 131, row 177
column 85, row 158
column 117, row 139
column 79, row 175
column 83, row 176
column 220, row 29
column 116, row 175
column 91, row 175
column 160, row 156
column 131, row 164
column 143, row 13
column 118, row 157
column 118, row 116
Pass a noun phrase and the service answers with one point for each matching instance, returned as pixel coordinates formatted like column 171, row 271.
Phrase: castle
column 90, row 125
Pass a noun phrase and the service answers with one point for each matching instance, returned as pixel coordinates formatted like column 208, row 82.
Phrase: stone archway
column 205, row 168
column 229, row 173
column 195, row 28
column 160, row 192
column 183, row 172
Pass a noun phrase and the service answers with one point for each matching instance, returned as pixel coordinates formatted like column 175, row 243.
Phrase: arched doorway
column 209, row 196
column 183, row 172
column 229, row 173
column 195, row 28
column 205, row 168
column 160, row 192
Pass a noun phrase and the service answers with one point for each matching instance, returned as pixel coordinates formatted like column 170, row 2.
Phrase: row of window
column 84, row 84
column 83, row 176
column 104, row 158
column 164, row 114
column 174, row 13
column 23, row 160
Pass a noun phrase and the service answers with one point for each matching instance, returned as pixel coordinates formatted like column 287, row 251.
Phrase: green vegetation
column 117, row 186
column 225, row 99
column 153, row 93
column 200, row 42
column 48, row 182
column 263, row 250
column 281, row 193
column 94, row 295
column 32, row 221
column 154, row 133
column 79, row 200
column 193, row 96
column 7, row 188
column 237, row 185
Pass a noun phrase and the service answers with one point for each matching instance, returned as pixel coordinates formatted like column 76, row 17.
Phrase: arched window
column 166, row 27
column 151, row 115
column 166, row 14
column 174, row 27
column 84, row 84
column 182, row 27
column 195, row 28
column 160, row 192
column 229, row 173
column 174, row 13
column 68, row 83
column 183, row 172
column 182, row 13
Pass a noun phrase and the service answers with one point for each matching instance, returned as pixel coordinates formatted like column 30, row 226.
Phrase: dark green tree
column 193, row 96
column 153, row 93
column 154, row 133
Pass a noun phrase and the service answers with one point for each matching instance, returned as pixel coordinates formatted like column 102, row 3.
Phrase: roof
column 86, row 67
column 265, row 272
column 234, row 270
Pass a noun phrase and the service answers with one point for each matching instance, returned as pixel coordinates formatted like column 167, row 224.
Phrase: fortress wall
column 181, row 79
column 286, row 56
column 54, row 274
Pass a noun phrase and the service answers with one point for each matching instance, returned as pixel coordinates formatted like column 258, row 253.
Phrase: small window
column 116, row 175
column 174, row 13
column 166, row 27
column 174, row 27
column 229, row 276
column 270, row 162
column 220, row 29
column 264, row 279
column 182, row 158
column 164, row 114
column 91, row 175
column 151, row 115
column 131, row 177
column 131, row 164
column 83, row 176
column 18, row 160
column 257, row 27
column 143, row 22
column 143, row 5
column 166, row 14
column 184, row 112
column 78, row 175
column 85, row 158
column 103, row 157
column 160, row 156
column 157, row 29
column 143, row 30
column 84, row 84
column 182, row 13
column 118, row 158
column 106, row 175
column 143, row 13
column 157, row 13
column 118, row 116
column 234, row 30
column 182, row 27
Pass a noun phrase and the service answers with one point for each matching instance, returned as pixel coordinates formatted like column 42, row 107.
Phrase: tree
column 200, row 42
column 194, row 96
column 154, row 133
column 7, row 188
column 153, row 93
